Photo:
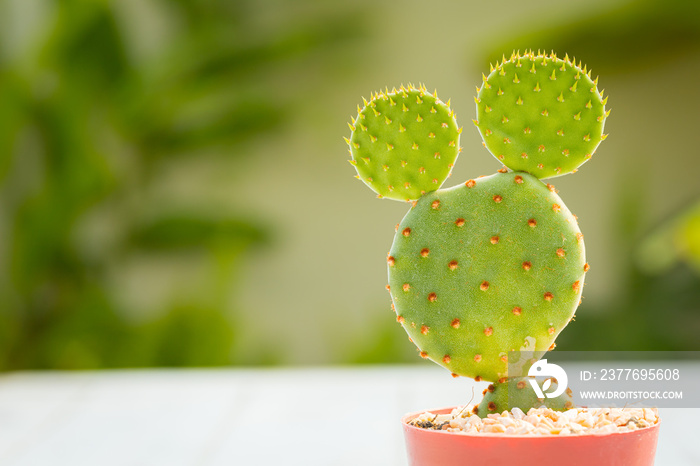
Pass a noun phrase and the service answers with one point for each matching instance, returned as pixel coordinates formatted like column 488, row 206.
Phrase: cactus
column 516, row 391
column 540, row 114
column 404, row 143
column 496, row 263
column 493, row 265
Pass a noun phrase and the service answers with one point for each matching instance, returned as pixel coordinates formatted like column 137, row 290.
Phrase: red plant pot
column 441, row 448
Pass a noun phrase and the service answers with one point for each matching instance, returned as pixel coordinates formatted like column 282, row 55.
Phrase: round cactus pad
column 486, row 267
column 540, row 114
column 404, row 143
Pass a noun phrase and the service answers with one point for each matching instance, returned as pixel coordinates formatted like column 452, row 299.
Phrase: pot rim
column 407, row 417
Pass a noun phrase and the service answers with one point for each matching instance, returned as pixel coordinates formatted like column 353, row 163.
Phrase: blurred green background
column 174, row 188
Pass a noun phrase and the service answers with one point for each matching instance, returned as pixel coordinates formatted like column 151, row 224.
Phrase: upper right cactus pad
column 540, row 114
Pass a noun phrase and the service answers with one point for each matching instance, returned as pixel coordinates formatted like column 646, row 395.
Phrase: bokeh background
column 174, row 188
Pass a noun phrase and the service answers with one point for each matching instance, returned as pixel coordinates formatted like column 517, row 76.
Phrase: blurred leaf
column 13, row 99
column 191, row 335
column 636, row 34
column 386, row 343
column 98, row 121
column 675, row 239
column 191, row 231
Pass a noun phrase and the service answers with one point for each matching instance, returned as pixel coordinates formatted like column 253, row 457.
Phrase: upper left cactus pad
column 404, row 143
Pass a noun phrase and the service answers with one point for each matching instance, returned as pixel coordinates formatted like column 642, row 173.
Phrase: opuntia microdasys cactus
column 497, row 263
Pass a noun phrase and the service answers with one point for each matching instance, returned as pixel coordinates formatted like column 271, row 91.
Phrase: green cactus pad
column 540, row 114
column 486, row 267
column 517, row 392
column 404, row 143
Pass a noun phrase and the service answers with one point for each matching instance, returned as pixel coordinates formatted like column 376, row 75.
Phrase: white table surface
column 292, row 416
